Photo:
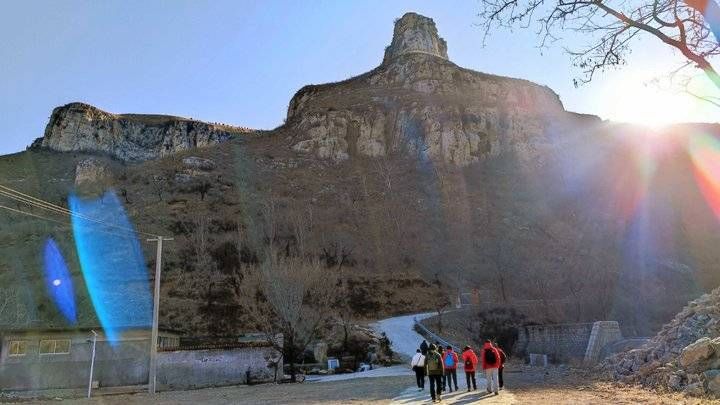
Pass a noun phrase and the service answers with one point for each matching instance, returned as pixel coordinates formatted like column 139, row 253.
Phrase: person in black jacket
column 424, row 347
column 503, row 358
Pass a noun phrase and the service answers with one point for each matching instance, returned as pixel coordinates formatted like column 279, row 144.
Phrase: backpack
column 468, row 363
column 450, row 360
column 490, row 357
column 433, row 361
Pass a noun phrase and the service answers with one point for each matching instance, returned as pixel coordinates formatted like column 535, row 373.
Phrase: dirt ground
column 524, row 385
column 564, row 385
column 357, row 391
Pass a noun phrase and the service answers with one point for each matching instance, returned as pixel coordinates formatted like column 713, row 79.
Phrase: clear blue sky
column 240, row 61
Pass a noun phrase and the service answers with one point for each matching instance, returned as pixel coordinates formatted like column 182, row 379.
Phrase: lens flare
column 705, row 154
column 58, row 281
column 112, row 264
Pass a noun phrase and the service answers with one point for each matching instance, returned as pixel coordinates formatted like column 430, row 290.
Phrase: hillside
column 423, row 178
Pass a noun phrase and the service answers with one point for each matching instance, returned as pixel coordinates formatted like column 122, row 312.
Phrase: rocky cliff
column 129, row 137
column 418, row 101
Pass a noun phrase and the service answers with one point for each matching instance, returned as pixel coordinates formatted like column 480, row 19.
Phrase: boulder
column 711, row 381
column 695, row 389
column 701, row 350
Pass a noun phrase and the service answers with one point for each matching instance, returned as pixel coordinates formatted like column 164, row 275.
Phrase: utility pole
column 92, row 362
column 156, row 314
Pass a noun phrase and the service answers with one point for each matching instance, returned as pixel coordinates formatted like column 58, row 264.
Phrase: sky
column 240, row 62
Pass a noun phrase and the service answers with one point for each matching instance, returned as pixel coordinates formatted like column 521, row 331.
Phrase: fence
column 433, row 337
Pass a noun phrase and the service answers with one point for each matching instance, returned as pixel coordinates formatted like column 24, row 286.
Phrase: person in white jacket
column 418, row 365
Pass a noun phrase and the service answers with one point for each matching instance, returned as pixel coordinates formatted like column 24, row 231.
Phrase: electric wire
column 28, row 199
column 63, row 224
column 42, row 204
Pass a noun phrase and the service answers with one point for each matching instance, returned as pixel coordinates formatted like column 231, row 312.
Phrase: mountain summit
column 419, row 102
column 415, row 33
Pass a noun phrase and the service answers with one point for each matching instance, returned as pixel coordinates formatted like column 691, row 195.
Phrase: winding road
column 405, row 341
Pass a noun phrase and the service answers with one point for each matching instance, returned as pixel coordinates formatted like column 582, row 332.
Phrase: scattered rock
column 683, row 356
column 91, row 170
column 182, row 178
column 198, row 163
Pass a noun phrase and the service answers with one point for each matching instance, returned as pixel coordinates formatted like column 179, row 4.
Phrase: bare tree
column 611, row 27
column 290, row 291
column 199, row 239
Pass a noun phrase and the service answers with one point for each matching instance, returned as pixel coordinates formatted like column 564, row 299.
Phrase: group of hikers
column 440, row 366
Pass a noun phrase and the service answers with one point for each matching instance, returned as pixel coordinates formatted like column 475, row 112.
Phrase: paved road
column 404, row 341
column 400, row 332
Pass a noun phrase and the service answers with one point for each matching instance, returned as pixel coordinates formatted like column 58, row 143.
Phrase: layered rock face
column 419, row 102
column 129, row 137
column 415, row 33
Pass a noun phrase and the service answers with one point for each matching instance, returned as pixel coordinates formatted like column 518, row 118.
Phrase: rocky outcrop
column 417, row 101
column 128, row 137
column 91, row 170
column 415, row 33
column 683, row 356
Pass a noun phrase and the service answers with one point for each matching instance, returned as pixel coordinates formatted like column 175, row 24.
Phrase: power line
column 28, row 199
column 63, row 224
column 42, row 204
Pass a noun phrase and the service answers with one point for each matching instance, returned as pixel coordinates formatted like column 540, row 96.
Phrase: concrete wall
column 580, row 342
column 122, row 364
column 126, row 363
column 199, row 368
column 563, row 342
column 603, row 333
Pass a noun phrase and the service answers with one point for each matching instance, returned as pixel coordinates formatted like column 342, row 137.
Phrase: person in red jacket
column 470, row 361
column 490, row 364
column 450, row 361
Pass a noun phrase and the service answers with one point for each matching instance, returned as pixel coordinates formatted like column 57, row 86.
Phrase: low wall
column 603, row 333
column 563, row 342
column 579, row 342
column 201, row 368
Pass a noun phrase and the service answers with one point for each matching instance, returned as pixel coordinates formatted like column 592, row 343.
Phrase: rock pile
column 683, row 356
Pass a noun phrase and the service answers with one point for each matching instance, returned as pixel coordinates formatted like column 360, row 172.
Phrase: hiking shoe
column 496, row 393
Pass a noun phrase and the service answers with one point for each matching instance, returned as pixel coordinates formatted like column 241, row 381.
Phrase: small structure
column 37, row 359
column 60, row 358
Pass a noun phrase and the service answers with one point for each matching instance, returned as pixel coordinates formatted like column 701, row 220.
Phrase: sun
column 631, row 96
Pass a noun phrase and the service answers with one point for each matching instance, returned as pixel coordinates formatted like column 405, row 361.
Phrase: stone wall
column 201, row 368
column 573, row 342
column 563, row 342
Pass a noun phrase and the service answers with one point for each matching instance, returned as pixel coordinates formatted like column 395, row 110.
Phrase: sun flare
column 629, row 97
